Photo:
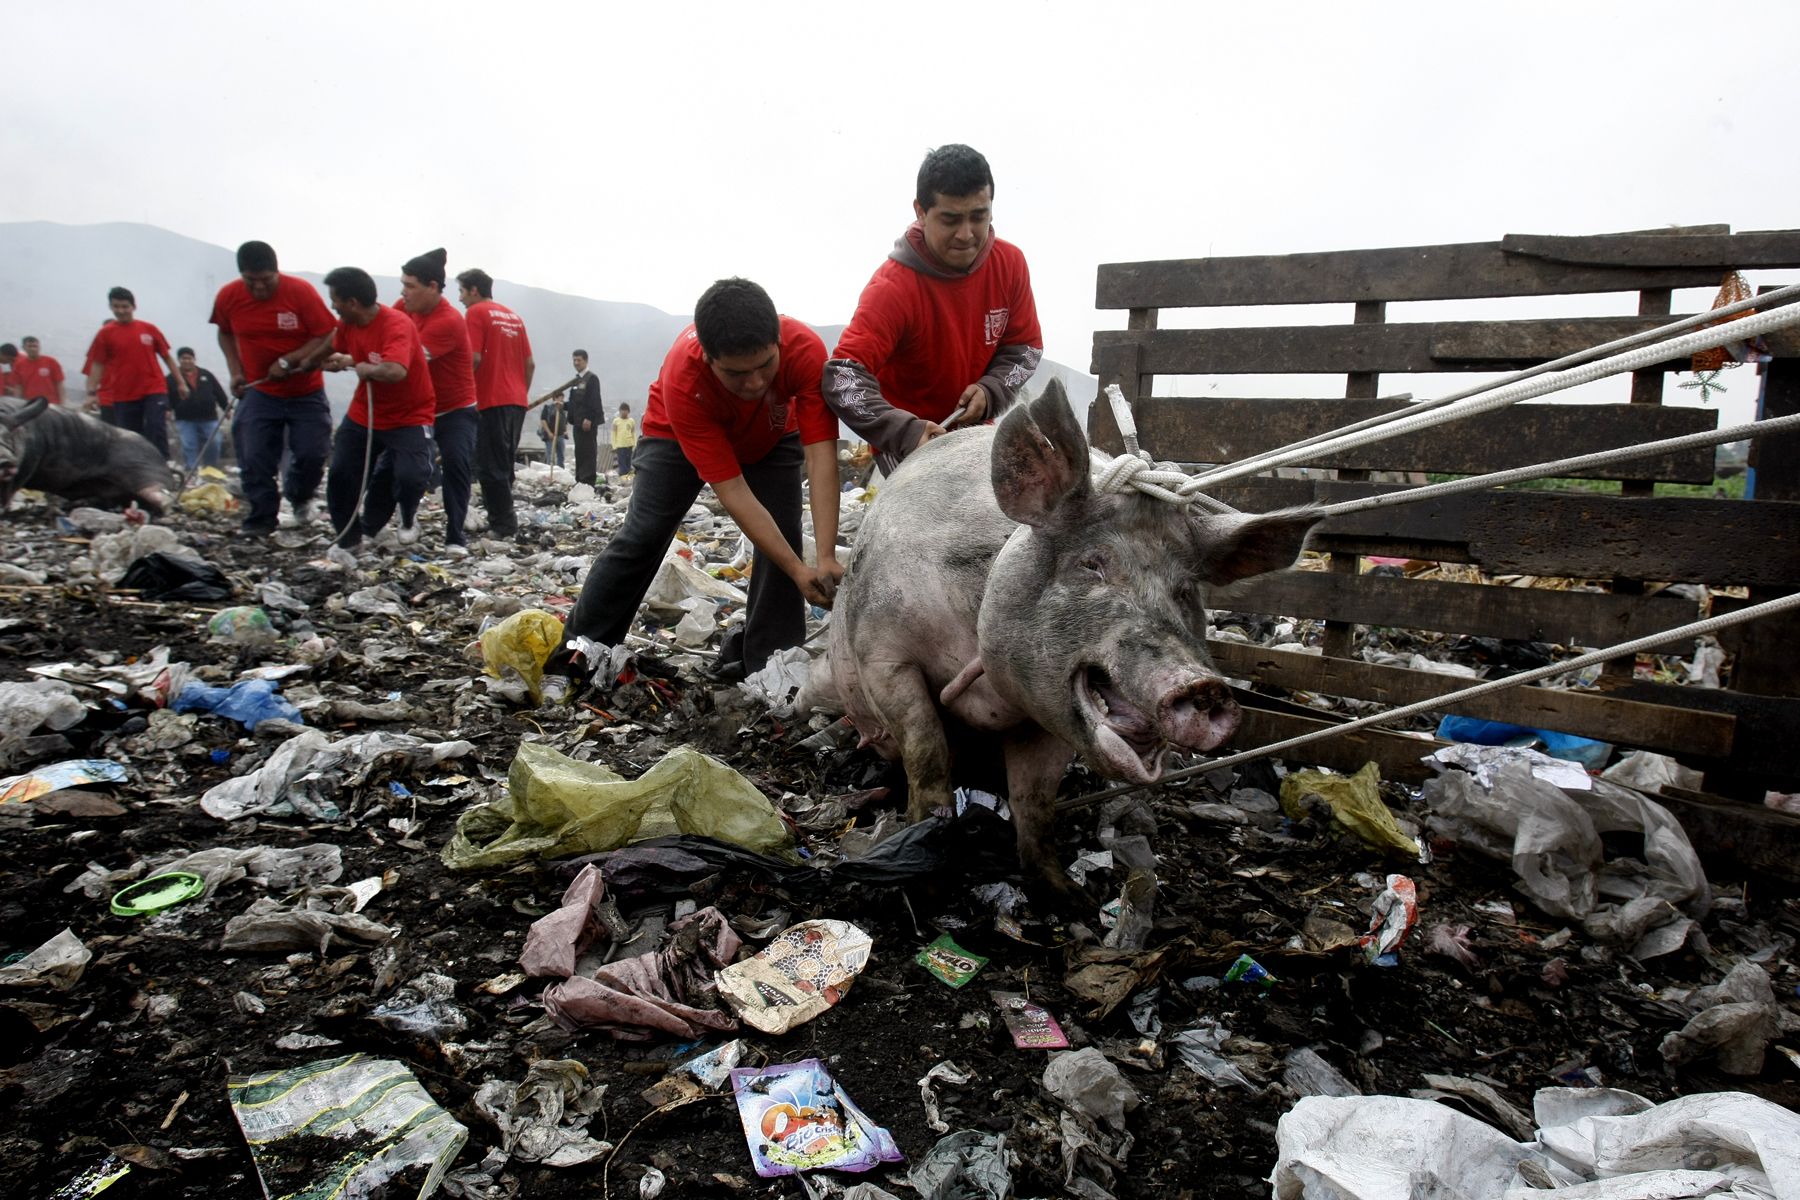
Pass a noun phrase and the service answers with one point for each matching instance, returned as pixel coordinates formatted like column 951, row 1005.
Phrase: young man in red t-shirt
column 273, row 330
column 946, row 332
column 446, row 338
column 736, row 406
column 37, row 374
column 501, row 351
column 389, row 422
column 124, row 377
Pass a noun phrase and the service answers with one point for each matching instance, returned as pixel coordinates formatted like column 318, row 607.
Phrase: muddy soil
column 112, row 1066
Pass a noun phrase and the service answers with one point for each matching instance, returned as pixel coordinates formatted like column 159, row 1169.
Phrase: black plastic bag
column 162, row 576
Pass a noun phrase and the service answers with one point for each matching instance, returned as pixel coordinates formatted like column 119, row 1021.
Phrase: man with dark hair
column 197, row 413
column 390, row 418
column 123, row 376
column 9, row 383
column 737, row 406
column 946, row 332
column 446, row 339
column 273, row 330
column 586, row 415
column 37, row 374
column 503, row 371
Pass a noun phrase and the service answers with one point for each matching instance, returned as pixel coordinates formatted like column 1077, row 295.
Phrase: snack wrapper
column 1395, row 911
column 1031, row 1025
column 807, row 968
column 950, row 962
column 796, row 1118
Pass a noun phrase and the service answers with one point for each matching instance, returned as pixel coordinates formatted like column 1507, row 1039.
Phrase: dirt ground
column 134, row 1058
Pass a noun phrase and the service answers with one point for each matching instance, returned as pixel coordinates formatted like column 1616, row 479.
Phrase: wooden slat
column 1574, row 535
column 1763, row 750
column 1461, row 271
column 1715, row 252
column 1529, row 614
column 1420, row 346
column 1734, row 838
column 1649, row 726
column 1396, row 754
column 1225, row 430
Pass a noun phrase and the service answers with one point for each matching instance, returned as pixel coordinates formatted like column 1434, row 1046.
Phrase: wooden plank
column 1461, row 271
column 1395, row 753
column 1733, row 837
column 1592, row 619
column 1715, row 252
column 1420, row 346
column 1658, row 727
column 1226, row 430
column 1575, row 535
column 1762, row 753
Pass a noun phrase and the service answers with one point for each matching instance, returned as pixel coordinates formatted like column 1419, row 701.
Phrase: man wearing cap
column 446, row 339
column 501, row 353
column 273, row 330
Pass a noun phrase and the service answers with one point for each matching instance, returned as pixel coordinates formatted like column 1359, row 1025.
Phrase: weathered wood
column 1226, row 430
column 1531, row 614
column 1462, row 271
column 1763, row 748
column 1396, row 754
column 1422, row 346
column 1714, row 252
column 1734, row 838
column 1575, row 535
column 1657, row 727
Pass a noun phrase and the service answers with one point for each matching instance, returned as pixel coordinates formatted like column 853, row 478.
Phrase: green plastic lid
column 147, row 897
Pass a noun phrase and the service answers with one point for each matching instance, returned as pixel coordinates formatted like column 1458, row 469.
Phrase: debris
column 1734, row 1021
column 670, row 989
column 46, row 780
column 521, row 645
column 544, row 1119
column 319, row 916
column 1391, row 918
column 1354, row 801
column 309, row 771
column 1201, row 1049
column 1088, row 1082
column 950, row 963
column 807, row 969
column 251, row 701
column 949, row 1072
column 244, row 625
column 965, row 1165
column 147, row 897
column 1031, row 1025
column 57, row 965
column 796, row 1118
column 1590, row 754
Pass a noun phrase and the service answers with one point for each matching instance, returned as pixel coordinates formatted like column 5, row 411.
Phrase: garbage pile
column 312, row 887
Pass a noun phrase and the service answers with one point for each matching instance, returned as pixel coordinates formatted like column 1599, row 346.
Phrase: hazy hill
column 54, row 279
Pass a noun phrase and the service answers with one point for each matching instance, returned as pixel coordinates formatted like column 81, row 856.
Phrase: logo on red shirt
column 996, row 324
column 287, row 320
column 146, row 339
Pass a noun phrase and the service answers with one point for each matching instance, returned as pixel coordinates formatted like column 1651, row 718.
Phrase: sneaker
column 455, row 550
column 408, row 534
column 306, row 512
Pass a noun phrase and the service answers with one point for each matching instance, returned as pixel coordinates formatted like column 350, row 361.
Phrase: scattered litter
column 544, row 1119
column 807, row 969
column 75, row 773
column 57, row 964
column 796, row 1118
column 1200, row 1049
column 1031, row 1025
column 965, row 1165
column 251, row 701
column 1353, row 801
column 950, row 1073
column 1087, row 1081
column 950, row 962
column 1391, row 918
column 521, row 645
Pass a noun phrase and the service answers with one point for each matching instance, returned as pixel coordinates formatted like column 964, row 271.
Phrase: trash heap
column 311, row 889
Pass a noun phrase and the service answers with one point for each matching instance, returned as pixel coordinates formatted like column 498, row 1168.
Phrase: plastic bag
column 796, row 1118
column 207, row 498
column 556, row 806
column 522, row 644
column 251, row 701
column 1088, row 1082
column 309, row 770
column 243, row 625
column 1355, row 803
column 24, row 707
column 806, row 970
column 167, row 576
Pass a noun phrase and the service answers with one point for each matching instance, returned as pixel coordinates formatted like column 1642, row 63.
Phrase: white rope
column 1452, row 700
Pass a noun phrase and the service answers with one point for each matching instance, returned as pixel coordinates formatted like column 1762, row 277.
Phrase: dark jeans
column 587, row 455
column 665, row 490
column 267, row 425
column 456, row 434
column 399, row 469
column 145, row 416
column 624, row 456
column 495, row 449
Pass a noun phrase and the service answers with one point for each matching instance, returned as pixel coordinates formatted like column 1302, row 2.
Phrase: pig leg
column 1035, row 762
column 902, row 702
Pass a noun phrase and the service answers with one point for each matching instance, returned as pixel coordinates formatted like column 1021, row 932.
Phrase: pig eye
column 1095, row 563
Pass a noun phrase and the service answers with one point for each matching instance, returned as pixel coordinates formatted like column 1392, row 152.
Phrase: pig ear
column 1230, row 548
column 1040, row 459
column 18, row 416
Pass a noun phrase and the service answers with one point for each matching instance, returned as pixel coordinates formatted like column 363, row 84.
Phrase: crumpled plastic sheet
column 805, row 970
column 57, row 964
column 1355, row 803
column 965, row 1165
column 669, row 990
column 1552, row 837
column 318, row 917
column 949, row 1072
column 521, row 644
column 1201, row 1049
column 424, row 1008
column 1736, row 1020
column 24, row 707
column 555, row 940
column 169, row 576
column 1595, row 1143
column 1648, row 772
column 250, row 701
column 277, row 868
column 74, row 773
column 544, row 1119
column 556, row 806
column 780, row 679
column 1089, row 1082
column 678, row 580
column 306, row 773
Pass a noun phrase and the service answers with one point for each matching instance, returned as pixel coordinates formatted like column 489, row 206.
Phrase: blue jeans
column 195, row 436
column 266, row 425
column 399, row 469
column 456, row 433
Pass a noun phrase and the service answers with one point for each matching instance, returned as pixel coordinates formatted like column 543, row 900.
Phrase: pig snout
column 1199, row 713
column 1132, row 727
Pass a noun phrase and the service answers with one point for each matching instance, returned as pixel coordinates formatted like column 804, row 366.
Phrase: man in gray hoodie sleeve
column 946, row 332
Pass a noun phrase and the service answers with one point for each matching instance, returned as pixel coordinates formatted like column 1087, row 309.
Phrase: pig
column 78, row 458
column 993, row 585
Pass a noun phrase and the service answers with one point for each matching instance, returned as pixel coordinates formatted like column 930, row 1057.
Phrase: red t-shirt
column 128, row 353
column 268, row 329
column 446, row 338
column 498, row 335
column 927, row 338
column 38, row 376
column 719, row 432
column 390, row 337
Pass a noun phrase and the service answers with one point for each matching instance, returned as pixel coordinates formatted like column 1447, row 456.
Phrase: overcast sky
column 637, row 152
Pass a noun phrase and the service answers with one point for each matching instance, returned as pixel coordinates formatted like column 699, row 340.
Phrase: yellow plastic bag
column 1355, row 802
column 207, row 498
column 556, row 806
column 522, row 643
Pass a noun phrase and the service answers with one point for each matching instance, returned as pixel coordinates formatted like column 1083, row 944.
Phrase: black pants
column 146, row 417
column 664, row 491
column 399, row 470
column 587, row 455
column 458, row 431
column 269, row 426
column 496, row 446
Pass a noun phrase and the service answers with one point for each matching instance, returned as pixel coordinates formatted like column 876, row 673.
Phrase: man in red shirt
column 273, row 330
column 37, row 374
column 124, row 377
column 737, row 406
column 503, row 371
column 446, row 339
column 9, row 382
column 946, row 332
column 389, row 422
